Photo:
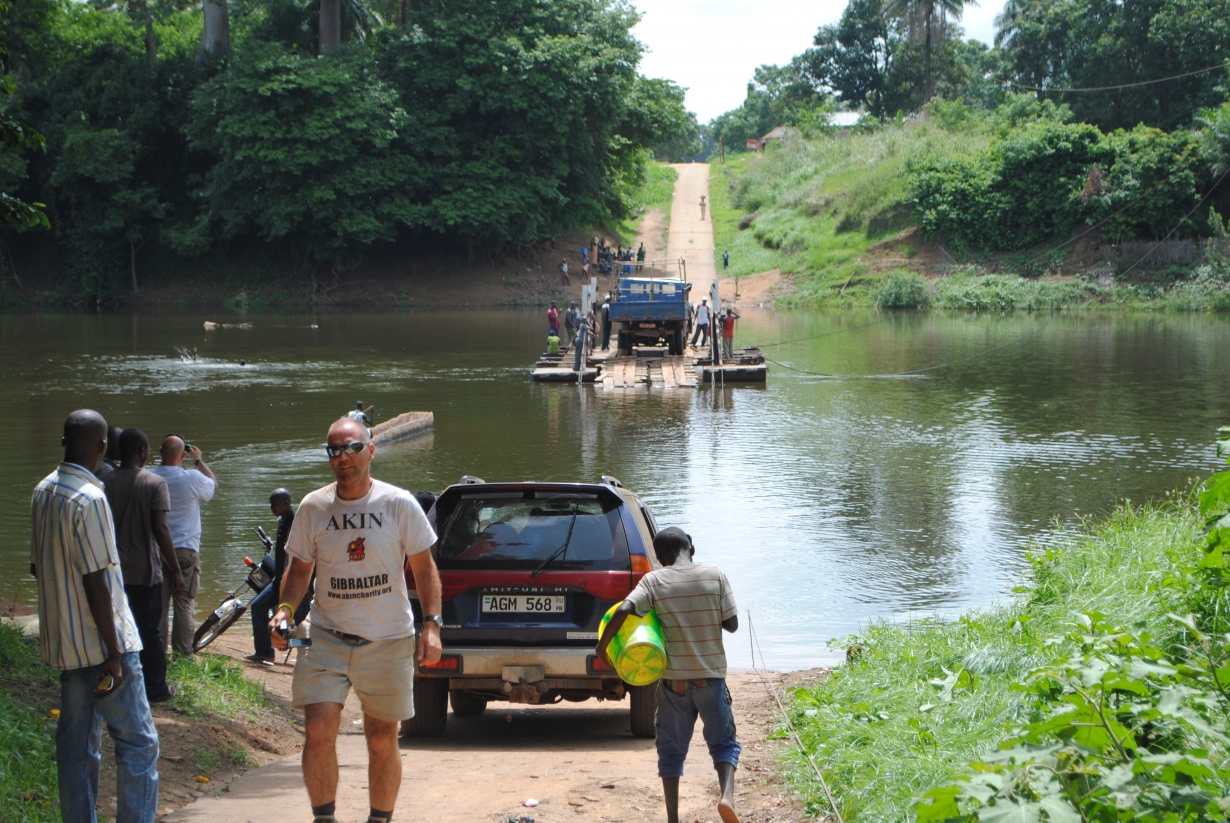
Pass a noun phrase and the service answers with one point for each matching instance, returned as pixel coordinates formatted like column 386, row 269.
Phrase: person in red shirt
column 728, row 334
column 553, row 320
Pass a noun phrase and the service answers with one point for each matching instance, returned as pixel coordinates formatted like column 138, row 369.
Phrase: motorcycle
column 232, row 608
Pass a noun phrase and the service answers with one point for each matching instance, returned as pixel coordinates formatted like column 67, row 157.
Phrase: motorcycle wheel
column 219, row 621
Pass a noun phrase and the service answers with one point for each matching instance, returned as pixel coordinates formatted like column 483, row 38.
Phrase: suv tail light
column 447, row 663
column 640, row 564
column 596, row 665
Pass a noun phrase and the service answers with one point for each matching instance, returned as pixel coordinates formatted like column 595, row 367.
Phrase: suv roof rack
column 611, row 481
column 471, row 480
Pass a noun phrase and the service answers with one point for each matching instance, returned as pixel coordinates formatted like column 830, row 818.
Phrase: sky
column 711, row 47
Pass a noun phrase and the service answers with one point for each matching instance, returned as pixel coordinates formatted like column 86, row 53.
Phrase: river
column 830, row 502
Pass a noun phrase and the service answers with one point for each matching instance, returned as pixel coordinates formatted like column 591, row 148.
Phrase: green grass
column 28, row 782
column 654, row 194
column 213, row 684
column 881, row 730
column 821, row 204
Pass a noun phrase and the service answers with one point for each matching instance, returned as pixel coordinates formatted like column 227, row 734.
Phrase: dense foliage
column 475, row 124
column 1037, row 181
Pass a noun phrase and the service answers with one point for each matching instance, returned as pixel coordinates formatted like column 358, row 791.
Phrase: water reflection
column 828, row 501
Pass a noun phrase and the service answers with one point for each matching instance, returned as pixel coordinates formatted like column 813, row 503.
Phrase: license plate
column 537, row 603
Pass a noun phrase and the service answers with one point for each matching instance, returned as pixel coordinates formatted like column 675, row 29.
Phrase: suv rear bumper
column 534, row 675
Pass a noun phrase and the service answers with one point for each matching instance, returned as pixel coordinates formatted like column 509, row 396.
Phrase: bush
column 1037, row 181
column 903, row 290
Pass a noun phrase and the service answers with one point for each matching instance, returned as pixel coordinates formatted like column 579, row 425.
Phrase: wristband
column 288, row 606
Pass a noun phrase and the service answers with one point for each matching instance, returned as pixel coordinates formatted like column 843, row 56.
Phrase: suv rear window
column 518, row 531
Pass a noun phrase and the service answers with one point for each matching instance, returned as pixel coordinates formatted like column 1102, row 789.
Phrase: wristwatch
column 433, row 618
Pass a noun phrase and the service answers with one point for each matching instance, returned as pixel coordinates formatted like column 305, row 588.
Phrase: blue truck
column 651, row 312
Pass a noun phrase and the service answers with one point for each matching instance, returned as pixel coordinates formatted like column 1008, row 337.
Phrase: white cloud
column 712, row 48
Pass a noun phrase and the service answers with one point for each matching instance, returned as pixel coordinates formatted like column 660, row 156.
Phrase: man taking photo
column 359, row 535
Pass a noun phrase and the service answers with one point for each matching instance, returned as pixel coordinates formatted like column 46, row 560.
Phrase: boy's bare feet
column 726, row 781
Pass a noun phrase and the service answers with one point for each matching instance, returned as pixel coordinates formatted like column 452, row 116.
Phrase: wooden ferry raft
column 652, row 367
column 403, row 426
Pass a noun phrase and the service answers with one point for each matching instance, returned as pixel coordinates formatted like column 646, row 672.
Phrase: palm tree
column 930, row 12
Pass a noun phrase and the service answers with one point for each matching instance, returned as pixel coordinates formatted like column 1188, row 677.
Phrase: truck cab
column 650, row 311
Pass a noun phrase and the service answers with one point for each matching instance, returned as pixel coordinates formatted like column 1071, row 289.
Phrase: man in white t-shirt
column 702, row 323
column 359, row 535
column 188, row 489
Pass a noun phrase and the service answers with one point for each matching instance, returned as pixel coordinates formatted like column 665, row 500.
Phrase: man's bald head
column 172, row 450
column 352, row 430
column 85, row 439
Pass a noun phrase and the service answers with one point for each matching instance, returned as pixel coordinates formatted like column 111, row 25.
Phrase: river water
column 830, row 502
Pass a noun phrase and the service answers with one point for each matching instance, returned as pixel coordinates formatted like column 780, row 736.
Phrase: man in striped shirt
column 87, row 632
column 694, row 604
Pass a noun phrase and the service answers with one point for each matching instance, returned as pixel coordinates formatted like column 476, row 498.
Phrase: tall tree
column 216, row 34
column 931, row 15
column 330, row 33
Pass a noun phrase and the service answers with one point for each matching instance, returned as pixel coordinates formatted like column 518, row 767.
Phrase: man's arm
column 162, row 535
column 427, row 584
column 612, row 628
column 98, row 596
column 731, row 624
column 294, row 586
column 195, row 453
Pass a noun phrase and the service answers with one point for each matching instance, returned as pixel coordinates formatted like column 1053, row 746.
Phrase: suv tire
column 430, row 708
column 466, row 704
column 644, row 701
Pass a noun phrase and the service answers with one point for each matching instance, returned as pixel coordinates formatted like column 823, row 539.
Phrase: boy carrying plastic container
column 694, row 603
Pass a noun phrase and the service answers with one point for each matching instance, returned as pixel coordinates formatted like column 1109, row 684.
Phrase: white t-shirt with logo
column 360, row 549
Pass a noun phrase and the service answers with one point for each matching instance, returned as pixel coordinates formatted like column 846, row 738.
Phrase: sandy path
column 579, row 761
column 690, row 237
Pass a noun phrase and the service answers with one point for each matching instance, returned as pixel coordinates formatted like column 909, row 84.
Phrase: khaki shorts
column 380, row 671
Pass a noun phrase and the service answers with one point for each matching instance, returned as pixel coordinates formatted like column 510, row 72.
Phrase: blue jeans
column 79, row 735
column 262, row 608
column 676, row 718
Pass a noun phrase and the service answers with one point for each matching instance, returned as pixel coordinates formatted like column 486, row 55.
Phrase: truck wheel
column 644, row 701
column 625, row 344
column 678, row 340
column 430, row 708
column 466, row 704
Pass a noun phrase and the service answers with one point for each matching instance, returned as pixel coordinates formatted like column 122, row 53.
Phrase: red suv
column 528, row 570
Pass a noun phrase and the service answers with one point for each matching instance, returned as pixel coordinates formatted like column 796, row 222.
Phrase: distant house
column 753, row 144
column 776, row 136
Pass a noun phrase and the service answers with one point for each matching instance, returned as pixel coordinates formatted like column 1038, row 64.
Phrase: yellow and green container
column 638, row 649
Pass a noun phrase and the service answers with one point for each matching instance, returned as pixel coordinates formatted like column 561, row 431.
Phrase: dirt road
column 690, row 236
column 580, row 762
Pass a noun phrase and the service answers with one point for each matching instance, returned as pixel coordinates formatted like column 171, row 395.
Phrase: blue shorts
column 676, row 719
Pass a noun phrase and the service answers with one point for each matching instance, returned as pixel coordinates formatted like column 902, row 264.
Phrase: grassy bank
column 832, row 212
column 918, row 702
column 211, row 690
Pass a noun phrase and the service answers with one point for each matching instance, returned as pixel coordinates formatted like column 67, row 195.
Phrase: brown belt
column 352, row 638
column 680, row 687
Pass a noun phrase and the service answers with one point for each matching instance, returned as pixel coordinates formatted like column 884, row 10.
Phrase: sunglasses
column 353, row 447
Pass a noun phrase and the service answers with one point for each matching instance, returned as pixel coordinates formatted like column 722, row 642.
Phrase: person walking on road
column 702, row 207
column 188, row 490
column 702, row 323
column 694, row 604
column 640, row 258
column 139, row 503
column 728, row 333
column 86, row 630
column 359, row 534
